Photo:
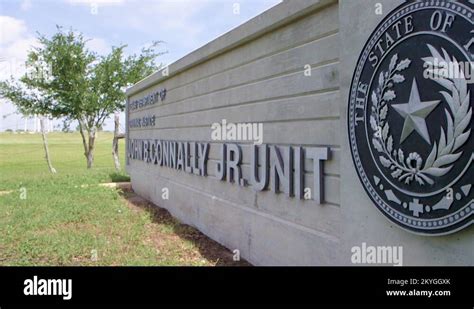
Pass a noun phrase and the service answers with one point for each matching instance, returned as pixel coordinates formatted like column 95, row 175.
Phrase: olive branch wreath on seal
column 443, row 154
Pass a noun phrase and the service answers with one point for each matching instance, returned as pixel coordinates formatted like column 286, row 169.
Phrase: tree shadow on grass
column 119, row 177
column 208, row 248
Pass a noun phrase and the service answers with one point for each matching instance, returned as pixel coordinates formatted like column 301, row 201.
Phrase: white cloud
column 98, row 45
column 26, row 5
column 170, row 18
column 184, row 24
column 11, row 29
column 171, row 14
column 96, row 2
column 15, row 43
column 18, row 48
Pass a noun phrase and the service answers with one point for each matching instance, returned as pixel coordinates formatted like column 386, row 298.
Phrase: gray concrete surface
column 255, row 73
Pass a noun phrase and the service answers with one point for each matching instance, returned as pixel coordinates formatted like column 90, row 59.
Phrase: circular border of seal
column 426, row 227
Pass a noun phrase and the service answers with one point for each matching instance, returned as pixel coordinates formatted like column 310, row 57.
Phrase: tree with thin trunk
column 86, row 87
column 45, row 144
column 111, row 76
column 29, row 101
column 72, row 67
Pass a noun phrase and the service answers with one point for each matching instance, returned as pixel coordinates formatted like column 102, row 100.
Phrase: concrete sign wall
column 246, row 139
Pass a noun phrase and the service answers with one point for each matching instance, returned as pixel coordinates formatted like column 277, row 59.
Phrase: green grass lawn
column 68, row 219
column 22, row 158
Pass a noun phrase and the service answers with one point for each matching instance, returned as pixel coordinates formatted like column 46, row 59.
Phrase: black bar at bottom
column 240, row 285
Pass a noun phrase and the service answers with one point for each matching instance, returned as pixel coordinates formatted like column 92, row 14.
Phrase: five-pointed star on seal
column 415, row 112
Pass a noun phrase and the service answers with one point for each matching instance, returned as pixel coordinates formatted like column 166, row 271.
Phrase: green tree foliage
column 80, row 85
column 31, row 99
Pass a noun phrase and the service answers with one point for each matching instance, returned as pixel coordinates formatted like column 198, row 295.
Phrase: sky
column 182, row 25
